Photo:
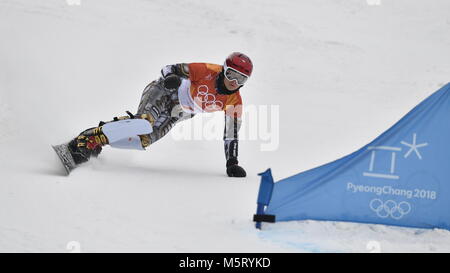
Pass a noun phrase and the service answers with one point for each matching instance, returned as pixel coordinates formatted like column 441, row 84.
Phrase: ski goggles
column 234, row 75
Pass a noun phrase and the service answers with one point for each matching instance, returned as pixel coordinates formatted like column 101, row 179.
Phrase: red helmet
column 240, row 62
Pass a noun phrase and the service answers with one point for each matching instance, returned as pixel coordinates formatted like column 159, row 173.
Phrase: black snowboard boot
column 88, row 143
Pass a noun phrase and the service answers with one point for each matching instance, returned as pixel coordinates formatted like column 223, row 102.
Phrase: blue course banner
column 401, row 178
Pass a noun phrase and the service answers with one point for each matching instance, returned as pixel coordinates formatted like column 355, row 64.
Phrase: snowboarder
column 182, row 91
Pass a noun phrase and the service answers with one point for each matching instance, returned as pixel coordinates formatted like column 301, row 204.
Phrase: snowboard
column 64, row 155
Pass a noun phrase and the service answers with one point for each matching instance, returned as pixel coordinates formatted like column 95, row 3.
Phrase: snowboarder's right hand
column 234, row 170
column 172, row 81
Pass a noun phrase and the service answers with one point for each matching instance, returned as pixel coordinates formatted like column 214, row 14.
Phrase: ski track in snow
column 342, row 72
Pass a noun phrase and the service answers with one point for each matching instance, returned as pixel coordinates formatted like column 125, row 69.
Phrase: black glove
column 234, row 170
column 172, row 81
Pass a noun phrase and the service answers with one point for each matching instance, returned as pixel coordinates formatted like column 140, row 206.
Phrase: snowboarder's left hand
column 172, row 81
column 234, row 170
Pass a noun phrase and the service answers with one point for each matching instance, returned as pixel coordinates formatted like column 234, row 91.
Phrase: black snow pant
column 162, row 108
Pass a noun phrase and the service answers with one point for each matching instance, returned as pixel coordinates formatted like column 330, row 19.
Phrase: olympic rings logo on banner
column 390, row 208
column 208, row 99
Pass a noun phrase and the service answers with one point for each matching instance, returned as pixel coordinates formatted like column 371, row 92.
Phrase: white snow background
column 341, row 71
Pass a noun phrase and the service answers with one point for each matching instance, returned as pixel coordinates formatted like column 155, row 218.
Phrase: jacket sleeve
column 181, row 70
column 231, row 138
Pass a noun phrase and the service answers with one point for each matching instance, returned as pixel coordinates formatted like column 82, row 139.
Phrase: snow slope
column 341, row 72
